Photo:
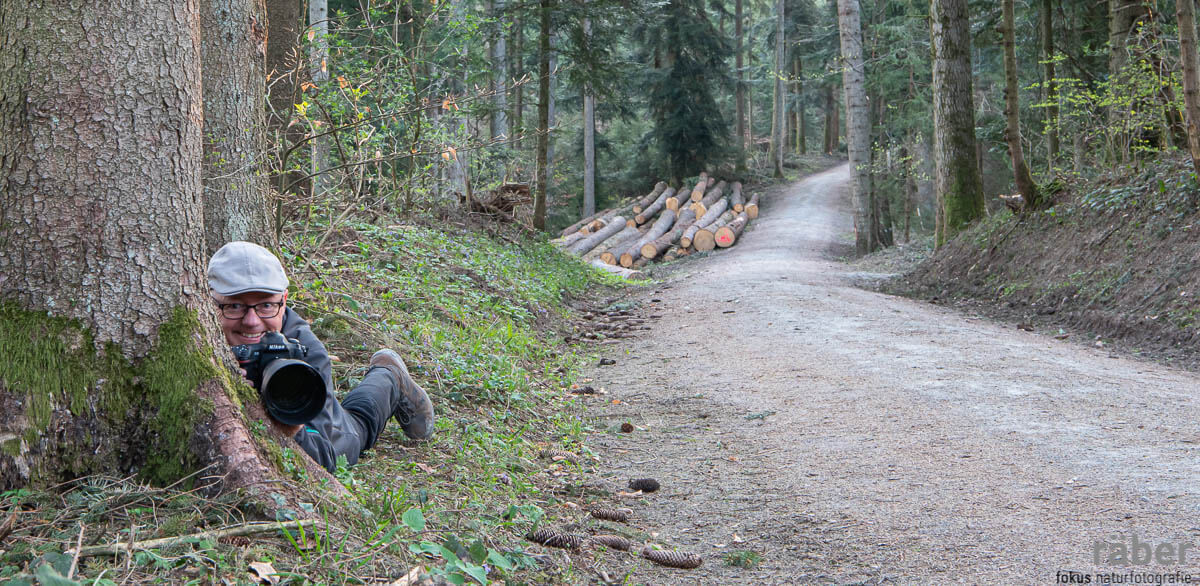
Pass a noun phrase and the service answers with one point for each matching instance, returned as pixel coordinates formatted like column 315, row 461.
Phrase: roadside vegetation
column 479, row 313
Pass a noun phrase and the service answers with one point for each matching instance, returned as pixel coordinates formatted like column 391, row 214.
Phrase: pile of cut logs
column 665, row 224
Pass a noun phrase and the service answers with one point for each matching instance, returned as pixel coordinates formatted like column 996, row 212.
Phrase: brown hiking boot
column 414, row 410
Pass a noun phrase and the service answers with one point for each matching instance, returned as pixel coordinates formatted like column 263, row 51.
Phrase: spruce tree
column 687, row 58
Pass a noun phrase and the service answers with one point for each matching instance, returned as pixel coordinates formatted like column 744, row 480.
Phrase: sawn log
column 587, row 244
column 660, row 227
column 728, row 234
column 659, row 245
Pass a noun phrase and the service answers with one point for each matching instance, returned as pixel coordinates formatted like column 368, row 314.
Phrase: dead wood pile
column 667, row 223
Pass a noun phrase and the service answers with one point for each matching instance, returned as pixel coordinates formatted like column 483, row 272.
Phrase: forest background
column 321, row 128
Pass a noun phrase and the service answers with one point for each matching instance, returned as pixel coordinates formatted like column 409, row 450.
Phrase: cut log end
column 704, row 240
column 724, row 237
column 752, row 210
column 627, row 260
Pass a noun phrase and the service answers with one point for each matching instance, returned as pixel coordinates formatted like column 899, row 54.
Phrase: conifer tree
column 690, row 130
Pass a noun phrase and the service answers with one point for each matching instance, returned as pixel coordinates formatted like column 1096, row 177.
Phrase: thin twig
column 78, row 548
column 236, row 530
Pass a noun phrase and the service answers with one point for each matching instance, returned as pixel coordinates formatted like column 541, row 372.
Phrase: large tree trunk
column 1012, row 113
column 829, row 120
column 318, row 25
column 858, row 124
column 1186, row 13
column 589, row 135
column 539, row 198
column 285, row 20
column 551, row 112
column 1050, row 85
column 957, row 183
column 518, row 66
column 108, row 331
column 1123, row 15
column 798, row 109
column 740, row 91
column 499, row 75
column 778, row 126
column 235, row 184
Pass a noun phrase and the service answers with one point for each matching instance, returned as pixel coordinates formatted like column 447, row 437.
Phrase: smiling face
column 250, row 328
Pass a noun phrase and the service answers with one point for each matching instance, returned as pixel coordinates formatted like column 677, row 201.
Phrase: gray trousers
column 352, row 426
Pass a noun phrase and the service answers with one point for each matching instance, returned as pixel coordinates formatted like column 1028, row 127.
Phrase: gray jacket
column 333, row 431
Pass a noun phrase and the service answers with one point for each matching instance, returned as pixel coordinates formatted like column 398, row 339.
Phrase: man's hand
column 288, row 430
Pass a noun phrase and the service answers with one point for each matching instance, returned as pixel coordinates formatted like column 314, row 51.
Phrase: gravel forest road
column 850, row 437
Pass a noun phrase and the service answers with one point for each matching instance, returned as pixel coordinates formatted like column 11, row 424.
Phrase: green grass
column 480, row 320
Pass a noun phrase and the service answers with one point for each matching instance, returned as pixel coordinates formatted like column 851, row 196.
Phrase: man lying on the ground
column 250, row 289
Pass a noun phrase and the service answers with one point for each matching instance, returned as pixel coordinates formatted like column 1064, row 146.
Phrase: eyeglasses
column 266, row 309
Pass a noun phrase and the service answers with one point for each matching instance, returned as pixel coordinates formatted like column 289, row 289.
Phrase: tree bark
column 518, row 66
column 957, row 181
column 752, row 207
column 233, row 47
column 740, row 91
column 858, row 124
column 499, row 126
column 712, row 197
column 1012, row 114
column 736, row 200
column 829, row 120
column 657, row 206
column 701, row 185
column 613, row 247
column 582, row 247
column 589, row 134
column 798, row 110
column 539, row 198
column 1186, row 13
column 1123, row 15
column 660, row 227
column 285, row 20
column 683, row 221
column 1050, row 85
column 778, row 126
column 109, row 333
column 318, row 24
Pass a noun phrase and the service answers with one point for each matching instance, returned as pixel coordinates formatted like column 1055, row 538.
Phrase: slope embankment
column 1116, row 262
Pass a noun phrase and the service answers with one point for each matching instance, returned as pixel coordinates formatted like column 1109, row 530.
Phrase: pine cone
column 613, row 542
column 559, row 455
column 552, row 538
column 643, row 484
column 618, row 515
column 626, row 427
column 672, row 559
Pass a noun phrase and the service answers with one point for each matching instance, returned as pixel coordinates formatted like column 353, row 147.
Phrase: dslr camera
column 292, row 390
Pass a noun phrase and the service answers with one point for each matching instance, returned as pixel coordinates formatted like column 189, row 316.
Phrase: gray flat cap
column 241, row 267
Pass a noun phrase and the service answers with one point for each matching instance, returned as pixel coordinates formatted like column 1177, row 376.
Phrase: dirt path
column 847, row 436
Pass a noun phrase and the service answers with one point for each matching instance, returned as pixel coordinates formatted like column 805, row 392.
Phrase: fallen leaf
column 264, row 573
column 426, row 468
column 737, row 539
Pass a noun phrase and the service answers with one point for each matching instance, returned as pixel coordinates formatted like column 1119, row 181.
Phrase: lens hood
column 292, row 391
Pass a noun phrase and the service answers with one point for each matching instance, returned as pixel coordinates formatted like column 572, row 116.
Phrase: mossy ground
column 479, row 314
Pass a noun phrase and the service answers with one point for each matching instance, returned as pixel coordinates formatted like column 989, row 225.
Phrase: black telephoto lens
column 292, row 391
